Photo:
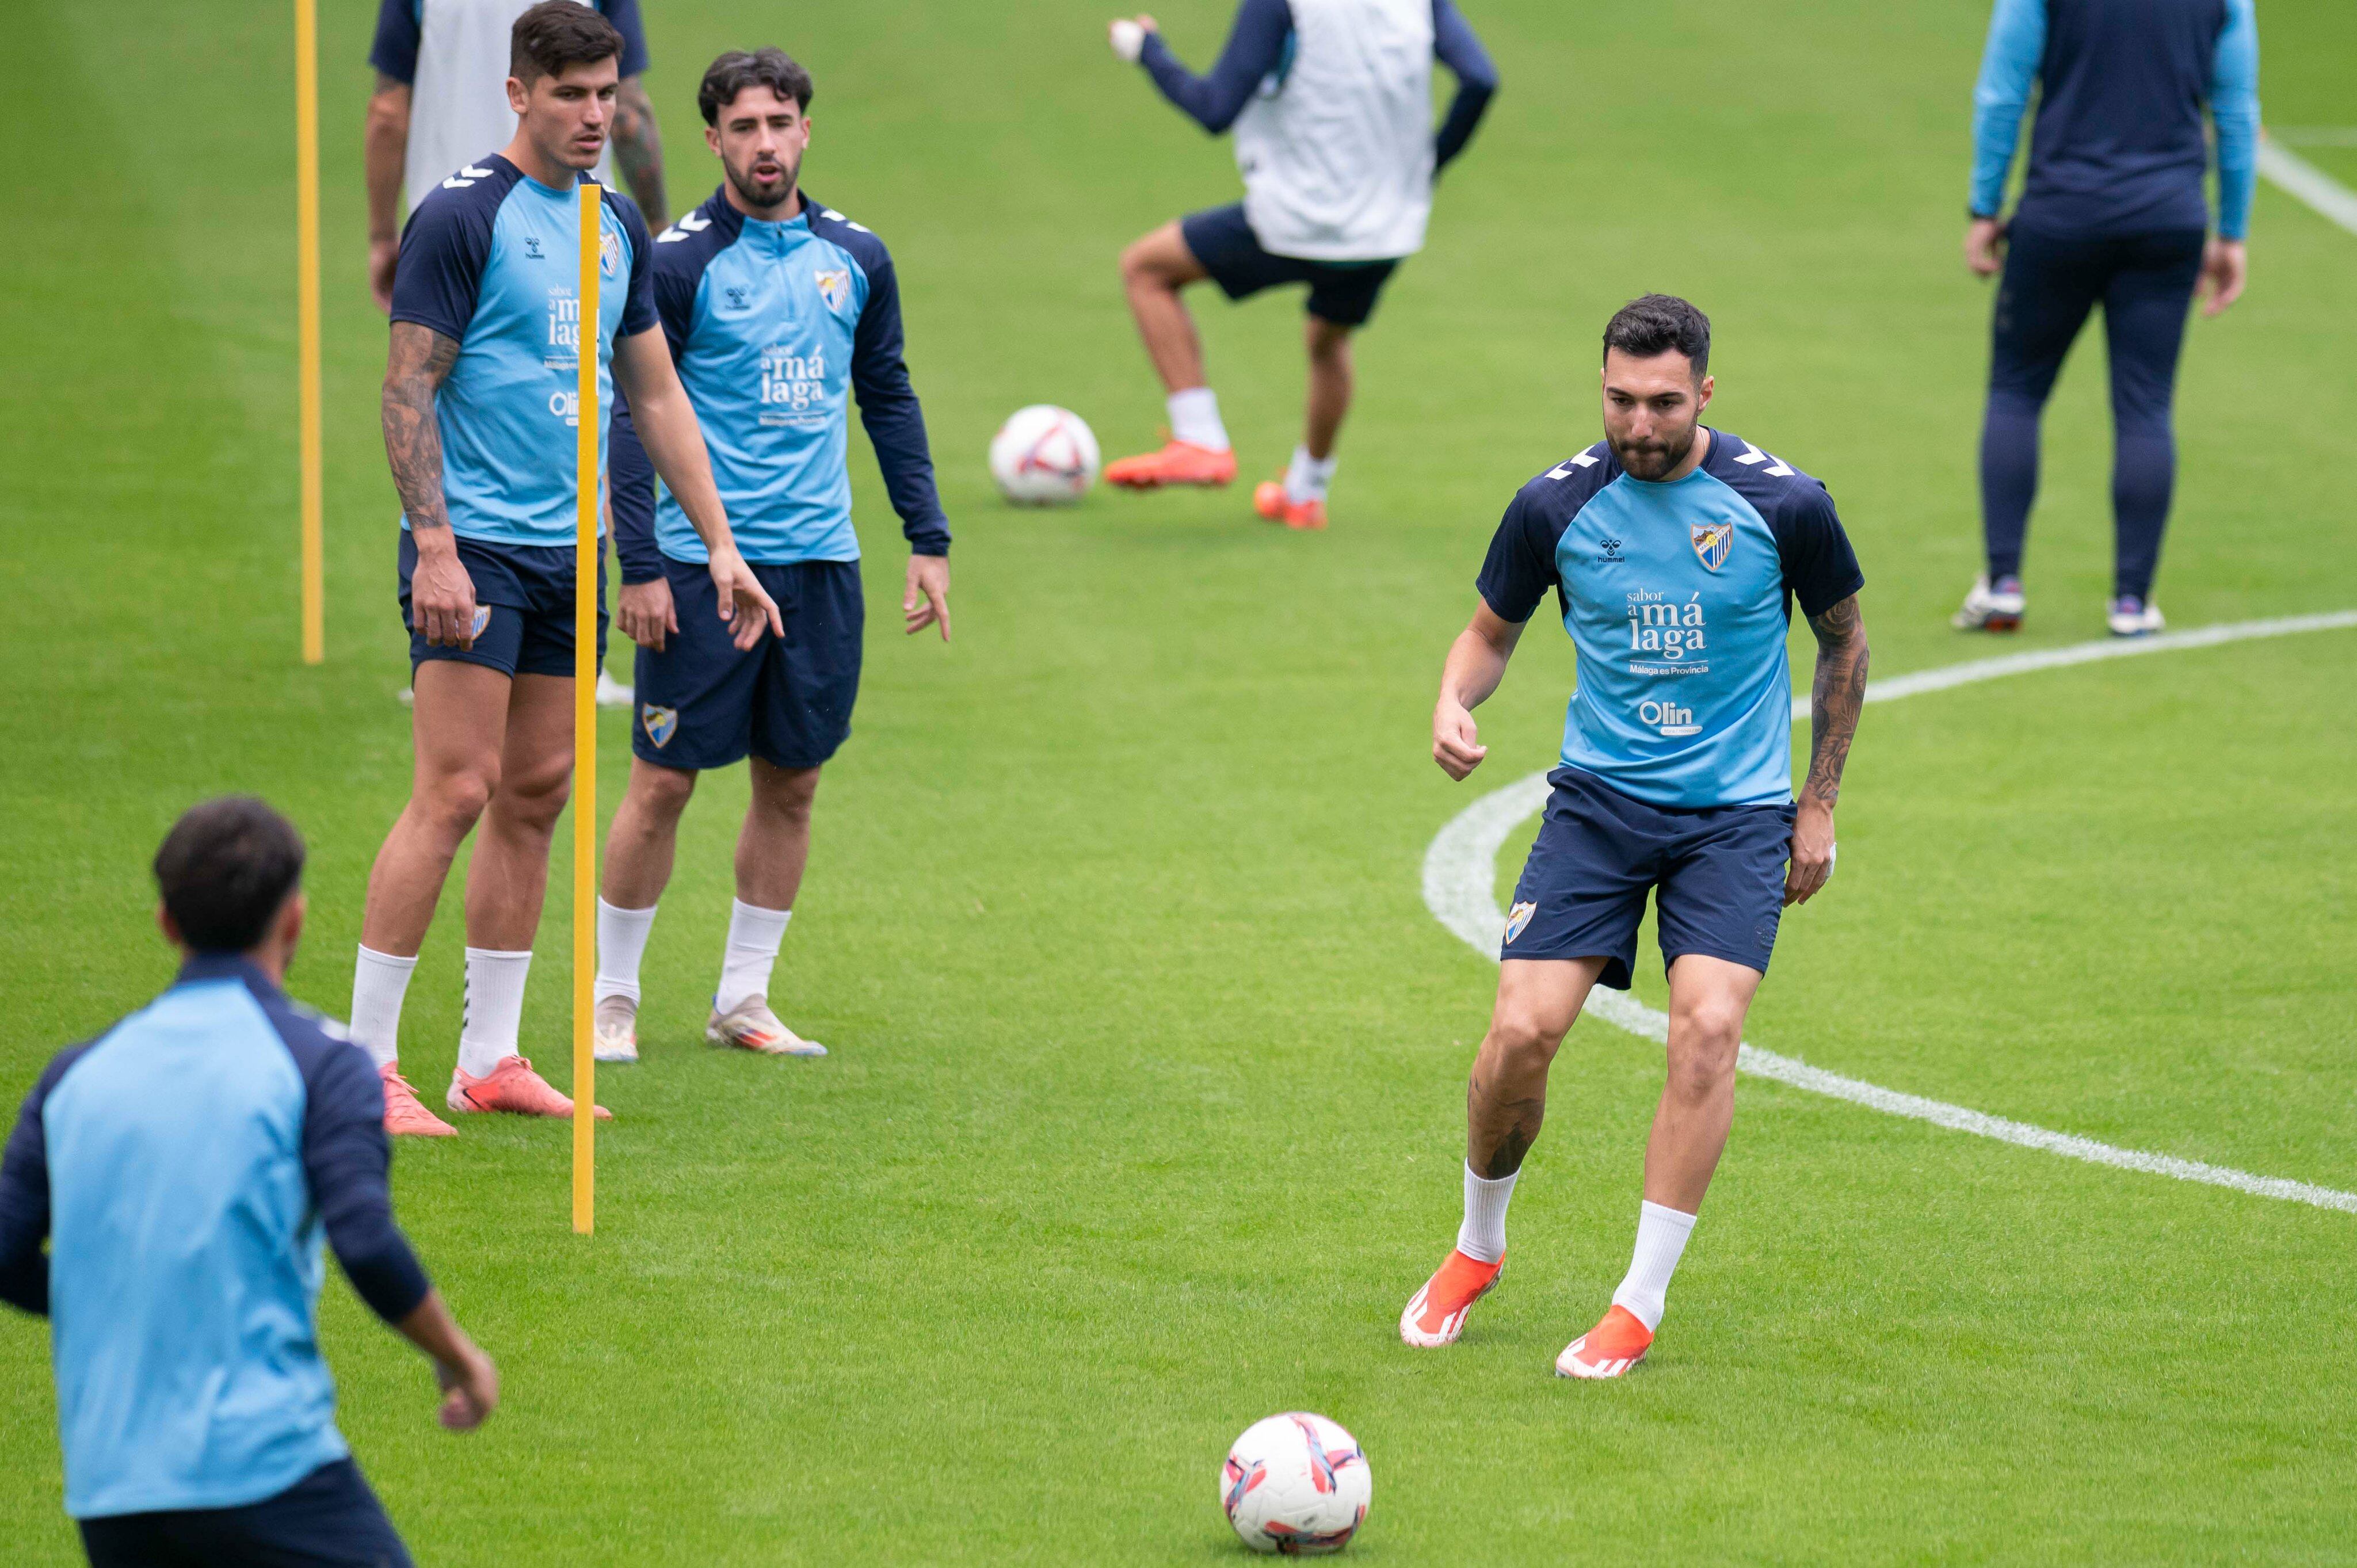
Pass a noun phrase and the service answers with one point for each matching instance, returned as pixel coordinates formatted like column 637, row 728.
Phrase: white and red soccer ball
column 1297, row 1485
column 1044, row 455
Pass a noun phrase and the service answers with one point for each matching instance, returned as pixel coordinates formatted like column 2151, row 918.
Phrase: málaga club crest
column 1711, row 542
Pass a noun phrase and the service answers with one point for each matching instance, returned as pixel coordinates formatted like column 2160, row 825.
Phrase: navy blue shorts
column 702, row 703
column 527, row 591
column 1717, row 874
column 329, row 1518
column 1341, row 291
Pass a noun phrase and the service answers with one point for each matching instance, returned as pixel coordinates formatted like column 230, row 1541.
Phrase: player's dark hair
column 225, row 870
column 1661, row 324
column 556, row 34
column 737, row 69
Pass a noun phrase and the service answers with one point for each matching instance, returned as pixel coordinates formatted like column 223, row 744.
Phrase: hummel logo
column 465, row 176
column 1753, row 455
column 690, row 224
column 1562, row 470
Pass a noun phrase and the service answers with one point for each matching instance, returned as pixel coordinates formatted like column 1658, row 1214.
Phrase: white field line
column 2310, row 184
column 1461, row 875
column 2314, row 135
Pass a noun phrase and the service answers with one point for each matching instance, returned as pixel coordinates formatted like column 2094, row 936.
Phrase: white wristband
column 1128, row 39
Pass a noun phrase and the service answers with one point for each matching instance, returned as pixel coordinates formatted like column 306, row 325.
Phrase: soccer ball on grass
column 1295, row 1484
column 1044, row 455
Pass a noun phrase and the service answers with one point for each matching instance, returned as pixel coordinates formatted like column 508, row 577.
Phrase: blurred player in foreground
column 480, row 427
column 1331, row 104
column 2111, row 212
column 1675, row 551
column 777, row 310
column 441, row 98
column 183, row 1167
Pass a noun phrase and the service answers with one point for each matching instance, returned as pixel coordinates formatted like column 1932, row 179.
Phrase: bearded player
column 480, row 426
column 1675, row 553
column 779, row 310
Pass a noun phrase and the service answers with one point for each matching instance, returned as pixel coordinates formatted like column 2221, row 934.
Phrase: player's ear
column 1702, row 397
column 518, row 96
column 712, row 139
column 290, row 924
column 169, row 927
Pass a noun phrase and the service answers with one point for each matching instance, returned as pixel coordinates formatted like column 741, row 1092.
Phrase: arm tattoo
column 1835, row 695
column 638, row 149
column 420, row 359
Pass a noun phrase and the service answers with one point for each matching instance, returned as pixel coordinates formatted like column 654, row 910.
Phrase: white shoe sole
column 1568, row 1365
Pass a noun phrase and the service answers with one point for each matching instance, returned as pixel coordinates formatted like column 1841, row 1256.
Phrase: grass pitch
column 1144, row 1115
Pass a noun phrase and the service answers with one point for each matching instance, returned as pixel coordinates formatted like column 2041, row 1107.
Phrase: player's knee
column 1144, row 264
column 456, row 801
column 536, row 799
column 1704, row 1037
column 1522, row 1040
column 663, row 792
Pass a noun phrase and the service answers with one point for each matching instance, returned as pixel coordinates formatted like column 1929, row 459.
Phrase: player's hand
column 383, row 254
column 1813, row 851
column 441, row 595
column 748, row 611
column 2225, row 266
column 470, row 1391
column 646, row 613
column 1128, row 36
column 928, row 599
column 1984, row 247
column 1455, row 740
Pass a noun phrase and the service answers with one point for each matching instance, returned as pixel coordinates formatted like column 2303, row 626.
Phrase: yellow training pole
column 585, row 725
column 307, row 308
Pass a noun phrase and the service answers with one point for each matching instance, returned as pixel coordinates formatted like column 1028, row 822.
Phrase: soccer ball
column 1044, row 455
column 1297, row 1485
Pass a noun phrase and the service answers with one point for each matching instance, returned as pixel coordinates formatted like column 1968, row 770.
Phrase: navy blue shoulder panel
column 639, row 302
column 857, row 237
column 1820, row 567
column 1519, row 567
column 682, row 252
column 447, row 244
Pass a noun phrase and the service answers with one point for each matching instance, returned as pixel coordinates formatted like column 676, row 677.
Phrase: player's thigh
column 1722, row 888
column 1539, row 999
column 536, row 764
column 2145, row 304
column 695, row 698
column 1582, row 891
column 1163, row 255
column 1708, row 1000
column 810, row 676
column 459, row 724
column 2050, row 284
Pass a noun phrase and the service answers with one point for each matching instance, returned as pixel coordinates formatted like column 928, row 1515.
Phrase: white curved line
column 1460, row 872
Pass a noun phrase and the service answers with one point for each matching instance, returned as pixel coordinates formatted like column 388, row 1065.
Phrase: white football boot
column 616, row 1032
column 2133, row 617
column 1986, row 608
column 751, row 1027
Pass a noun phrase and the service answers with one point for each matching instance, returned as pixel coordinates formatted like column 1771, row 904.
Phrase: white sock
column 1307, row 479
column 621, row 943
column 754, row 934
column 494, row 1008
column 1195, row 418
column 380, row 984
column 1483, row 1233
column 1661, row 1241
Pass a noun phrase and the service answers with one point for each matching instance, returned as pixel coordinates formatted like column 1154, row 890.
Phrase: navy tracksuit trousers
column 2145, row 284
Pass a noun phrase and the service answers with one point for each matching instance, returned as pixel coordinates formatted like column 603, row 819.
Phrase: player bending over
column 480, row 425
column 1675, row 551
column 777, row 309
column 1331, row 102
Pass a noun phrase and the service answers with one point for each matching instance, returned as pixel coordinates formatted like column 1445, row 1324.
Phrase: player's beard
column 1653, row 459
column 763, row 193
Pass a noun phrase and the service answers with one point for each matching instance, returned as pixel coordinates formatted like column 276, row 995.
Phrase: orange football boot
column 404, row 1113
column 1436, row 1315
column 1269, row 501
column 1179, row 463
column 511, row 1085
column 1609, row 1349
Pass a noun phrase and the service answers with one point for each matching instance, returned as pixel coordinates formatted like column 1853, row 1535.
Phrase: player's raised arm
column 1835, row 693
column 442, row 596
column 666, row 427
column 1477, row 662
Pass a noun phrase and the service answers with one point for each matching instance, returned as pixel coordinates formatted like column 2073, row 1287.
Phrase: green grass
column 1144, row 1115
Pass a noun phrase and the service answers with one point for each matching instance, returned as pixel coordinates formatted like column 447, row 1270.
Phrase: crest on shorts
column 609, row 252
column 662, row 723
column 1518, row 920
column 1713, row 541
column 833, row 286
